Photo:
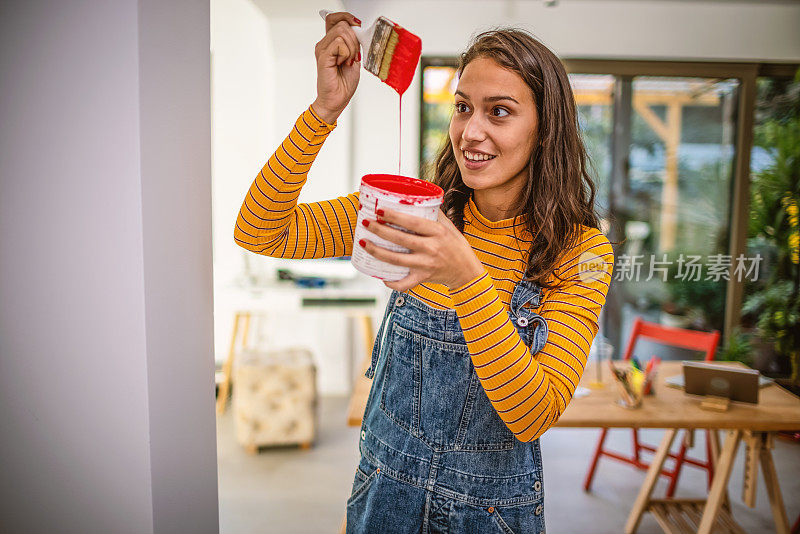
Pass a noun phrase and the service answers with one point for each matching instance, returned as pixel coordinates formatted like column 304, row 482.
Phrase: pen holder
column 626, row 399
column 629, row 396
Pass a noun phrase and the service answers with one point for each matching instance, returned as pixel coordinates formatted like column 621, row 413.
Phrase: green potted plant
column 738, row 348
column 777, row 308
column 773, row 301
column 695, row 304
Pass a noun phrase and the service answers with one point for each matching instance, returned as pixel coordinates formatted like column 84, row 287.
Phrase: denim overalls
column 435, row 455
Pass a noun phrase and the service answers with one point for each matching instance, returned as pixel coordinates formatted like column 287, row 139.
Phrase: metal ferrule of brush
column 383, row 31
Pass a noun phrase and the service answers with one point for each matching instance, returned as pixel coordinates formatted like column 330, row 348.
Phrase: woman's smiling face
column 494, row 120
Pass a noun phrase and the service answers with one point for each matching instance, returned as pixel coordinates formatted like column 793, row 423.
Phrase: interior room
column 195, row 377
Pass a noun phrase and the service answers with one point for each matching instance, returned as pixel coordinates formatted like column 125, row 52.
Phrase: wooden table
column 673, row 410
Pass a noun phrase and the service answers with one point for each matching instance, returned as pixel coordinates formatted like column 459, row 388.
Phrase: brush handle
column 363, row 35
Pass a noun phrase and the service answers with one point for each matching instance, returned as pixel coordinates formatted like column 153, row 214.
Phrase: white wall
column 264, row 77
column 106, row 382
column 622, row 29
column 243, row 103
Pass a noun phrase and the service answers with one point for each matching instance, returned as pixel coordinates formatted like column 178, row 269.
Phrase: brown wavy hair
column 559, row 194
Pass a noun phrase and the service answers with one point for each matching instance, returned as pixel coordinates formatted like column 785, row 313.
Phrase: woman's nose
column 474, row 129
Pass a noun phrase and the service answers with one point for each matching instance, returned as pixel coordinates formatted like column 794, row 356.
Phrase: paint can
column 395, row 192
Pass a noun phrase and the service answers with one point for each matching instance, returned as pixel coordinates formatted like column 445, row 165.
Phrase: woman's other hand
column 439, row 253
column 338, row 56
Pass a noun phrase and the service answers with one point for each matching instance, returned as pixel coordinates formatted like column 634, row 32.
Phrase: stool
column 275, row 398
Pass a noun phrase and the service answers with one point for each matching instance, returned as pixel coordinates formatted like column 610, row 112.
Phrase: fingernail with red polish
column 355, row 19
column 365, row 222
column 360, row 206
column 379, row 211
column 362, row 242
column 381, row 221
column 359, row 56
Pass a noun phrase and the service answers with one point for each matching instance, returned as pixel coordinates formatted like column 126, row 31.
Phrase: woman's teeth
column 477, row 157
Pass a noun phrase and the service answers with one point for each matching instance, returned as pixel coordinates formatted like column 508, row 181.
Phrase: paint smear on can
column 395, row 192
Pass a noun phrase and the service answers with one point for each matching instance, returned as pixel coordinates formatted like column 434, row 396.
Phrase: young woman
column 483, row 343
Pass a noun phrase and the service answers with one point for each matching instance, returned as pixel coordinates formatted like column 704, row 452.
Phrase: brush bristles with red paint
column 399, row 58
column 391, row 52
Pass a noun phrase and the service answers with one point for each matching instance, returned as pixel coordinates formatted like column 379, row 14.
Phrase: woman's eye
column 504, row 110
column 461, row 107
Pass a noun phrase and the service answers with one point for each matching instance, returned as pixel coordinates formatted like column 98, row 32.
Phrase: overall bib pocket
column 431, row 390
column 455, row 411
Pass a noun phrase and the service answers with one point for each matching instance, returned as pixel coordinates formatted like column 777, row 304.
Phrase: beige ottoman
column 275, row 398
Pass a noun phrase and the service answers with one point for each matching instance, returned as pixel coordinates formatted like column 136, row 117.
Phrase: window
column 669, row 151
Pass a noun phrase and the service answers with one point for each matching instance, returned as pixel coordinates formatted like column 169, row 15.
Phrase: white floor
column 289, row 490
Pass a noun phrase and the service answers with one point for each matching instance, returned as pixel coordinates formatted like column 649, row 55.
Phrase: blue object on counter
column 310, row 281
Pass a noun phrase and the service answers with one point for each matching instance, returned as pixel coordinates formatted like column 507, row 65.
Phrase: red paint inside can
column 410, row 190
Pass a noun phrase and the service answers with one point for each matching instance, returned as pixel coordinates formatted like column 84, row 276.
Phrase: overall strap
column 525, row 291
column 376, row 347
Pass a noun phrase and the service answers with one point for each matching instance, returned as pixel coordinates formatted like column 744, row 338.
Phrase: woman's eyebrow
column 490, row 98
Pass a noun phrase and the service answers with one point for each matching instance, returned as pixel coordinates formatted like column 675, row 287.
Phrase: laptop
column 736, row 384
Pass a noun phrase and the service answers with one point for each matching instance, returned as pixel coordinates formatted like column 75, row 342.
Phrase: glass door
column 671, row 202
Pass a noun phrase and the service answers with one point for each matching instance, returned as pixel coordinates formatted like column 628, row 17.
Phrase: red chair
column 674, row 337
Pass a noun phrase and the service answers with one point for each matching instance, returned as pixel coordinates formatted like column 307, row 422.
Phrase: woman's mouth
column 476, row 160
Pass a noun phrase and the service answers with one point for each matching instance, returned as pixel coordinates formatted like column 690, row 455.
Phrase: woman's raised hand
column 439, row 252
column 338, row 56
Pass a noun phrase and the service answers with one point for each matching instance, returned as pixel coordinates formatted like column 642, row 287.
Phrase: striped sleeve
column 272, row 223
column 530, row 392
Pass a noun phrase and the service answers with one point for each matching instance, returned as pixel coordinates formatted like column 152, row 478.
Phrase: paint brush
column 392, row 52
